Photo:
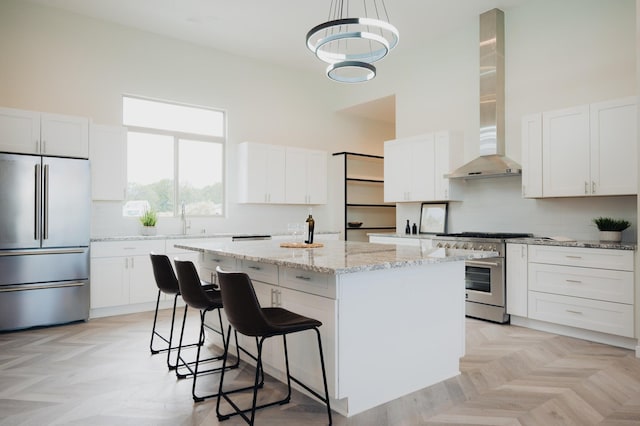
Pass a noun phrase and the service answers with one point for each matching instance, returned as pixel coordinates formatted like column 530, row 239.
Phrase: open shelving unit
column 363, row 177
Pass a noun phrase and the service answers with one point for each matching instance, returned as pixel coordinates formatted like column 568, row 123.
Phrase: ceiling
column 274, row 30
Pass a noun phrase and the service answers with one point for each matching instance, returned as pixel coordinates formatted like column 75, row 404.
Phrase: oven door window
column 478, row 278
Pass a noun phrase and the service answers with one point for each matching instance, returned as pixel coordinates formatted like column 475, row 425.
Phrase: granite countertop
column 336, row 257
column 186, row 236
column 584, row 244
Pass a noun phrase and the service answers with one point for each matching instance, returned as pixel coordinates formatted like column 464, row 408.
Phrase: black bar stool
column 167, row 283
column 247, row 317
column 195, row 296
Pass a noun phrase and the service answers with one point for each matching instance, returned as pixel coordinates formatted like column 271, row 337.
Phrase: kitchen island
column 393, row 315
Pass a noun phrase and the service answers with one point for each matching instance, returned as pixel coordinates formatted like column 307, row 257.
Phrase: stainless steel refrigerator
column 45, row 218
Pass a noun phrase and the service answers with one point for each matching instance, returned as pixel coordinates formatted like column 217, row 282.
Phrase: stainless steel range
column 485, row 279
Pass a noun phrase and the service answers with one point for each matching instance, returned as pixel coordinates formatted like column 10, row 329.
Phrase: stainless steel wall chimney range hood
column 492, row 162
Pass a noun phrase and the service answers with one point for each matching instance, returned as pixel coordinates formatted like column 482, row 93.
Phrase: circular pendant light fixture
column 351, row 45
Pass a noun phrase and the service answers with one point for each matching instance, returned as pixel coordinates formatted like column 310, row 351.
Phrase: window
column 175, row 158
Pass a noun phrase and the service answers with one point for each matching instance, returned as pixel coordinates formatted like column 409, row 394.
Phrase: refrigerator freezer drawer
column 41, row 266
column 43, row 304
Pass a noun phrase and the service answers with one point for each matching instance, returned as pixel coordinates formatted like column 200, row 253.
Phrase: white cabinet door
column 421, row 165
column 261, row 173
column 565, row 156
column 108, row 155
column 408, row 169
column 532, row 156
column 142, row 284
column 306, row 176
column 316, row 177
column 19, row 131
column 296, row 176
column 109, row 282
column 517, row 285
column 396, row 171
column 64, row 136
column 614, row 149
column 448, row 155
column 304, row 359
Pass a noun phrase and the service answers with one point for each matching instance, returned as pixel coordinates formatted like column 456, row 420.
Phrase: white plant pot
column 612, row 236
column 149, row 230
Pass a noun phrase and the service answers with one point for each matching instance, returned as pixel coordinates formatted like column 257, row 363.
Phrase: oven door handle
column 480, row 263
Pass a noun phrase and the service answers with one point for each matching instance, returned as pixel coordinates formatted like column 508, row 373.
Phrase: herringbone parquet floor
column 101, row 373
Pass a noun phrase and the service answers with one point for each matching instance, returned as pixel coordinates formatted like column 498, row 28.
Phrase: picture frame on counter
column 433, row 218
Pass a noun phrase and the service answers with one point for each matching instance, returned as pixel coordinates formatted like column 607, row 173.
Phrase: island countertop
column 335, row 257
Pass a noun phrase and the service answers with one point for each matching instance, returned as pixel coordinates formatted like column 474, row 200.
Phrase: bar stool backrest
column 241, row 304
column 164, row 275
column 191, row 288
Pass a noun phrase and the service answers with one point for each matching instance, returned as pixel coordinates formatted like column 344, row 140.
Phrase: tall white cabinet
column 414, row 167
column 588, row 150
column 108, row 155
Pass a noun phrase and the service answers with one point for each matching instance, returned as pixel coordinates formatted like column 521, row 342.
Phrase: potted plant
column 149, row 220
column 611, row 229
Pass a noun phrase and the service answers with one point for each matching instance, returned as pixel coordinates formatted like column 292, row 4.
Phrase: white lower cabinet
column 517, row 292
column 587, row 288
column 121, row 272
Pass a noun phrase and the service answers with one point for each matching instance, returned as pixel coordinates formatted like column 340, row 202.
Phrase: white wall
column 54, row 61
column 558, row 54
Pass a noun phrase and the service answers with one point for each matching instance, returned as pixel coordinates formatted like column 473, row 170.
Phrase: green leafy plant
column 149, row 218
column 610, row 224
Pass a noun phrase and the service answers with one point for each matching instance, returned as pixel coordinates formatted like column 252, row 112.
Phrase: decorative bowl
column 354, row 224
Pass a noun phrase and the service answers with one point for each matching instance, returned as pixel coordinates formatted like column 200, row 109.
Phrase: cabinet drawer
column 126, row 248
column 605, row 317
column 599, row 284
column 308, row 282
column 579, row 256
column 211, row 261
column 265, row 272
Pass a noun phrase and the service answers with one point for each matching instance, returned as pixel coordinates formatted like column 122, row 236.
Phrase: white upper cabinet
column 306, row 176
column 588, row 150
column 532, row 156
column 65, row 136
column 19, row 131
column 614, row 147
column 414, row 168
column 262, row 174
column 30, row 132
column 565, row 152
column 449, row 155
column 108, row 155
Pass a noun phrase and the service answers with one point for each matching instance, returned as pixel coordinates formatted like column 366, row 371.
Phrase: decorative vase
column 612, row 236
column 149, row 230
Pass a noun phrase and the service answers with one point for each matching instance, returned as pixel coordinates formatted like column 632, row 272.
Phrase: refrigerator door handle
column 45, row 226
column 38, row 203
column 11, row 288
column 42, row 252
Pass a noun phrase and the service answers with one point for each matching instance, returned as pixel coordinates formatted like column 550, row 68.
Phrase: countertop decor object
column 301, row 245
column 610, row 228
column 149, row 220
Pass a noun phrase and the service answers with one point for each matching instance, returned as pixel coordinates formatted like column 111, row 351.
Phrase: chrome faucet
column 183, row 217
